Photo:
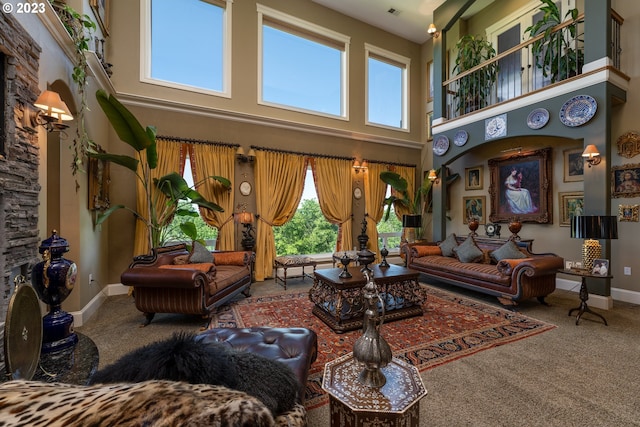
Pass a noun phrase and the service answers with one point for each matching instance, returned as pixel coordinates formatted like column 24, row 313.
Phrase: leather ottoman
column 295, row 347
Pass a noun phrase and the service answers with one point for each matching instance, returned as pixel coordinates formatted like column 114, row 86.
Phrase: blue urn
column 54, row 279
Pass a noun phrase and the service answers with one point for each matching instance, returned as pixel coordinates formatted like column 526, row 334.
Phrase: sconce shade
column 432, row 29
column 240, row 151
column 252, row 154
column 591, row 151
column 432, row 175
column 244, row 218
column 594, row 227
column 412, row 221
column 53, row 107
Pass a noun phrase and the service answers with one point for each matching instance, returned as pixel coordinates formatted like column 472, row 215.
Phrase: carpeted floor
column 451, row 327
column 584, row 375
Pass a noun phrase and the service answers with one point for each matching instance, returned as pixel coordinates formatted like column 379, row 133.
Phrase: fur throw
column 182, row 358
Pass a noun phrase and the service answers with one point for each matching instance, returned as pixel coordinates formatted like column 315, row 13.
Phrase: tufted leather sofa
column 295, row 347
column 161, row 286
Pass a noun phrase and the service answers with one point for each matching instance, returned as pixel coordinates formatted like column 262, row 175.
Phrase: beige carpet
column 585, row 375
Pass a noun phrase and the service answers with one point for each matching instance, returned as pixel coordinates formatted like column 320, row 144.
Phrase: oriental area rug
column 451, row 327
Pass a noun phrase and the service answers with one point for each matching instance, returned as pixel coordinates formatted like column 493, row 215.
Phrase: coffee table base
column 344, row 325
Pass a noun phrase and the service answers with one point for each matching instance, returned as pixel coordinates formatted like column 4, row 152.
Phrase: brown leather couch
column 162, row 286
column 511, row 280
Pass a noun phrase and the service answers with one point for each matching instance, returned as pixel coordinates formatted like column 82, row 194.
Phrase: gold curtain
column 219, row 160
column 408, row 173
column 332, row 178
column 374, row 195
column 171, row 158
column 279, row 185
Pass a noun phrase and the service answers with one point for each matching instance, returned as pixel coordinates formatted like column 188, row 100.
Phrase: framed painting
column 473, row 178
column 474, row 207
column 520, row 187
column 625, row 180
column 628, row 213
column 430, row 81
column 101, row 11
column 571, row 204
column 429, row 124
column 573, row 165
column 98, row 172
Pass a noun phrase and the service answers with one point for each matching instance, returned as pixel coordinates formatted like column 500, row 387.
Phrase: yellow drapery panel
column 408, row 173
column 374, row 194
column 169, row 160
column 333, row 184
column 219, row 160
column 279, row 185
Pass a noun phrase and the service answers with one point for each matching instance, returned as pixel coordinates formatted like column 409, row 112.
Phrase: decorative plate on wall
column 495, row 127
column 578, row 110
column 538, row 118
column 440, row 145
column 460, row 138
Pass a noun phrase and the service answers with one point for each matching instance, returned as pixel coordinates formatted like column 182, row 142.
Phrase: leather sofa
column 160, row 285
column 511, row 280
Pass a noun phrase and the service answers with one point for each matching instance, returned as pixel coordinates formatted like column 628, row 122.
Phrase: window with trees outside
column 387, row 88
column 189, row 35
column 390, row 231
column 302, row 66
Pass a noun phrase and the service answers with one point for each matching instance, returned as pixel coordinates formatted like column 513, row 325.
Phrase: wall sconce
column 433, row 176
column 433, row 31
column 248, row 158
column 357, row 166
column 591, row 155
column 52, row 113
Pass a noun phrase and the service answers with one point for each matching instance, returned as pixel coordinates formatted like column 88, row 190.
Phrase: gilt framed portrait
column 571, row 204
column 520, row 187
column 473, row 178
column 98, row 172
column 430, row 81
column 573, row 165
column 474, row 207
column 628, row 213
column 625, row 180
column 101, row 11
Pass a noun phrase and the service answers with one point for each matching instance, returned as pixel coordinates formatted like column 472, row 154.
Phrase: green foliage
column 474, row 89
column 408, row 201
column 392, row 225
column 308, row 232
column 188, row 226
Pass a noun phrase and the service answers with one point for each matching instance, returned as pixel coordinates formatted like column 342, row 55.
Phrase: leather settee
column 520, row 275
column 162, row 285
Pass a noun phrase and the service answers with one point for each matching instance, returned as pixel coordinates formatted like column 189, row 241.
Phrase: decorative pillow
column 448, row 244
column 200, row 254
column 507, row 251
column 468, row 251
column 420, row 251
column 205, row 267
column 232, row 258
column 181, row 260
column 506, row 266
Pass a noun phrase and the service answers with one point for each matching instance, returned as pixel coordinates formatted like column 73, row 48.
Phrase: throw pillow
column 200, row 254
column 507, row 251
column 181, row 260
column 420, row 251
column 468, row 251
column 448, row 244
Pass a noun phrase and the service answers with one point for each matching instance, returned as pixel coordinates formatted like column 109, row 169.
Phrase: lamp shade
column 594, row 227
column 244, row 218
column 412, row 221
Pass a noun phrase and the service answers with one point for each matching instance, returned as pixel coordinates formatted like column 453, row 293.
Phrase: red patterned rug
column 451, row 327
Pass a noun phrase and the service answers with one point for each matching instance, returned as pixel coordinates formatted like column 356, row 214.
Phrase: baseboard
column 79, row 317
column 601, row 301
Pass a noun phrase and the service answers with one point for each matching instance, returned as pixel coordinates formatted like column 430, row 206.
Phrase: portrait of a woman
column 518, row 198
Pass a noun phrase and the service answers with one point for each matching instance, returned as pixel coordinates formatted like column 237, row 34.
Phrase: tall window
column 387, row 88
column 187, row 44
column 302, row 66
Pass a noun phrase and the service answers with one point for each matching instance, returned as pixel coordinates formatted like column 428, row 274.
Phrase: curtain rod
column 326, row 156
column 196, row 141
column 382, row 162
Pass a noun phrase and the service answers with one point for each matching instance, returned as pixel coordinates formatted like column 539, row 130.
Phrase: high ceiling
column 409, row 20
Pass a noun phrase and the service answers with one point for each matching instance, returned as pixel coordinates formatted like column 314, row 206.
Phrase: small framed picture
column 628, row 213
column 600, row 267
column 474, row 207
column 571, row 204
column 473, row 178
column 625, row 180
column 573, row 165
column 568, row 265
column 429, row 124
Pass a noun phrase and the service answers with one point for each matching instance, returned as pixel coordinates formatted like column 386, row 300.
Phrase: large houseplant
column 554, row 53
column 474, row 89
column 161, row 205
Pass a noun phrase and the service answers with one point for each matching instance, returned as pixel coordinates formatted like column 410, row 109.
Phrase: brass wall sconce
column 433, row 31
column 51, row 114
column 360, row 167
column 591, row 155
column 433, row 176
column 245, row 158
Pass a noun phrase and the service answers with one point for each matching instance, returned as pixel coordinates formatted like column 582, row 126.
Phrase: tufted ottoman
column 295, row 347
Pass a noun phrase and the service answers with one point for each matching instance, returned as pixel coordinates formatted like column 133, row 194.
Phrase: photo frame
column 101, row 11
column 628, row 213
column 625, row 180
column 600, row 267
column 475, row 207
column 573, row 165
column 99, row 176
column 430, row 81
column 473, row 178
column 520, row 187
column 429, row 124
column 571, row 204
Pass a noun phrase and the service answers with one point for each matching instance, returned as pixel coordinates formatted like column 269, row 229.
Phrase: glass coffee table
column 338, row 301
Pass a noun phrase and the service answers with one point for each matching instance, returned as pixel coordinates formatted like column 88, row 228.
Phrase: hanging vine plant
column 80, row 27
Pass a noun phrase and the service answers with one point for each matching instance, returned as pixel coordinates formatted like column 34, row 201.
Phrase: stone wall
column 19, row 158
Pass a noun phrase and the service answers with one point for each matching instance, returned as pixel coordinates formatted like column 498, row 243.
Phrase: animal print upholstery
column 149, row 403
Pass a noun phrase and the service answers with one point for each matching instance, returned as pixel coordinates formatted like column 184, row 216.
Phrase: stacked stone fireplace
column 19, row 158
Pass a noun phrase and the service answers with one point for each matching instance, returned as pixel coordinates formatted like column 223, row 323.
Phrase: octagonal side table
column 353, row 404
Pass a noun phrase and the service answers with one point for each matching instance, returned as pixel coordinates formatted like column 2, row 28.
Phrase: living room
column 239, row 118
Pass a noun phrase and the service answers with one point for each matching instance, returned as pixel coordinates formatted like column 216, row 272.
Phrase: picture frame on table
column 628, row 213
column 571, row 204
column 474, row 207
column 573, row 165
column 600, row 267
column 520, row 187
column 101, row 11
column 473, row 178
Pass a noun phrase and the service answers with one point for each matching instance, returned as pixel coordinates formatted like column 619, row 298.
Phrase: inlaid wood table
column 338, row 301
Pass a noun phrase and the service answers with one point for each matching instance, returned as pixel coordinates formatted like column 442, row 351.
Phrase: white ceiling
column 411, row 20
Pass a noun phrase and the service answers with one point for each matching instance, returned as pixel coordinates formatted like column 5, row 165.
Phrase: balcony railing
column 520, row 72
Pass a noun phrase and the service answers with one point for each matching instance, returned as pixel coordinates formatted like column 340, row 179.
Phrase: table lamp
column 593, row 228
column 409, row 225
column 248, row 234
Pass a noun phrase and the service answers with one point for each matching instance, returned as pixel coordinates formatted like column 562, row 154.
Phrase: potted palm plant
column 474, row 89
column 556, row 53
